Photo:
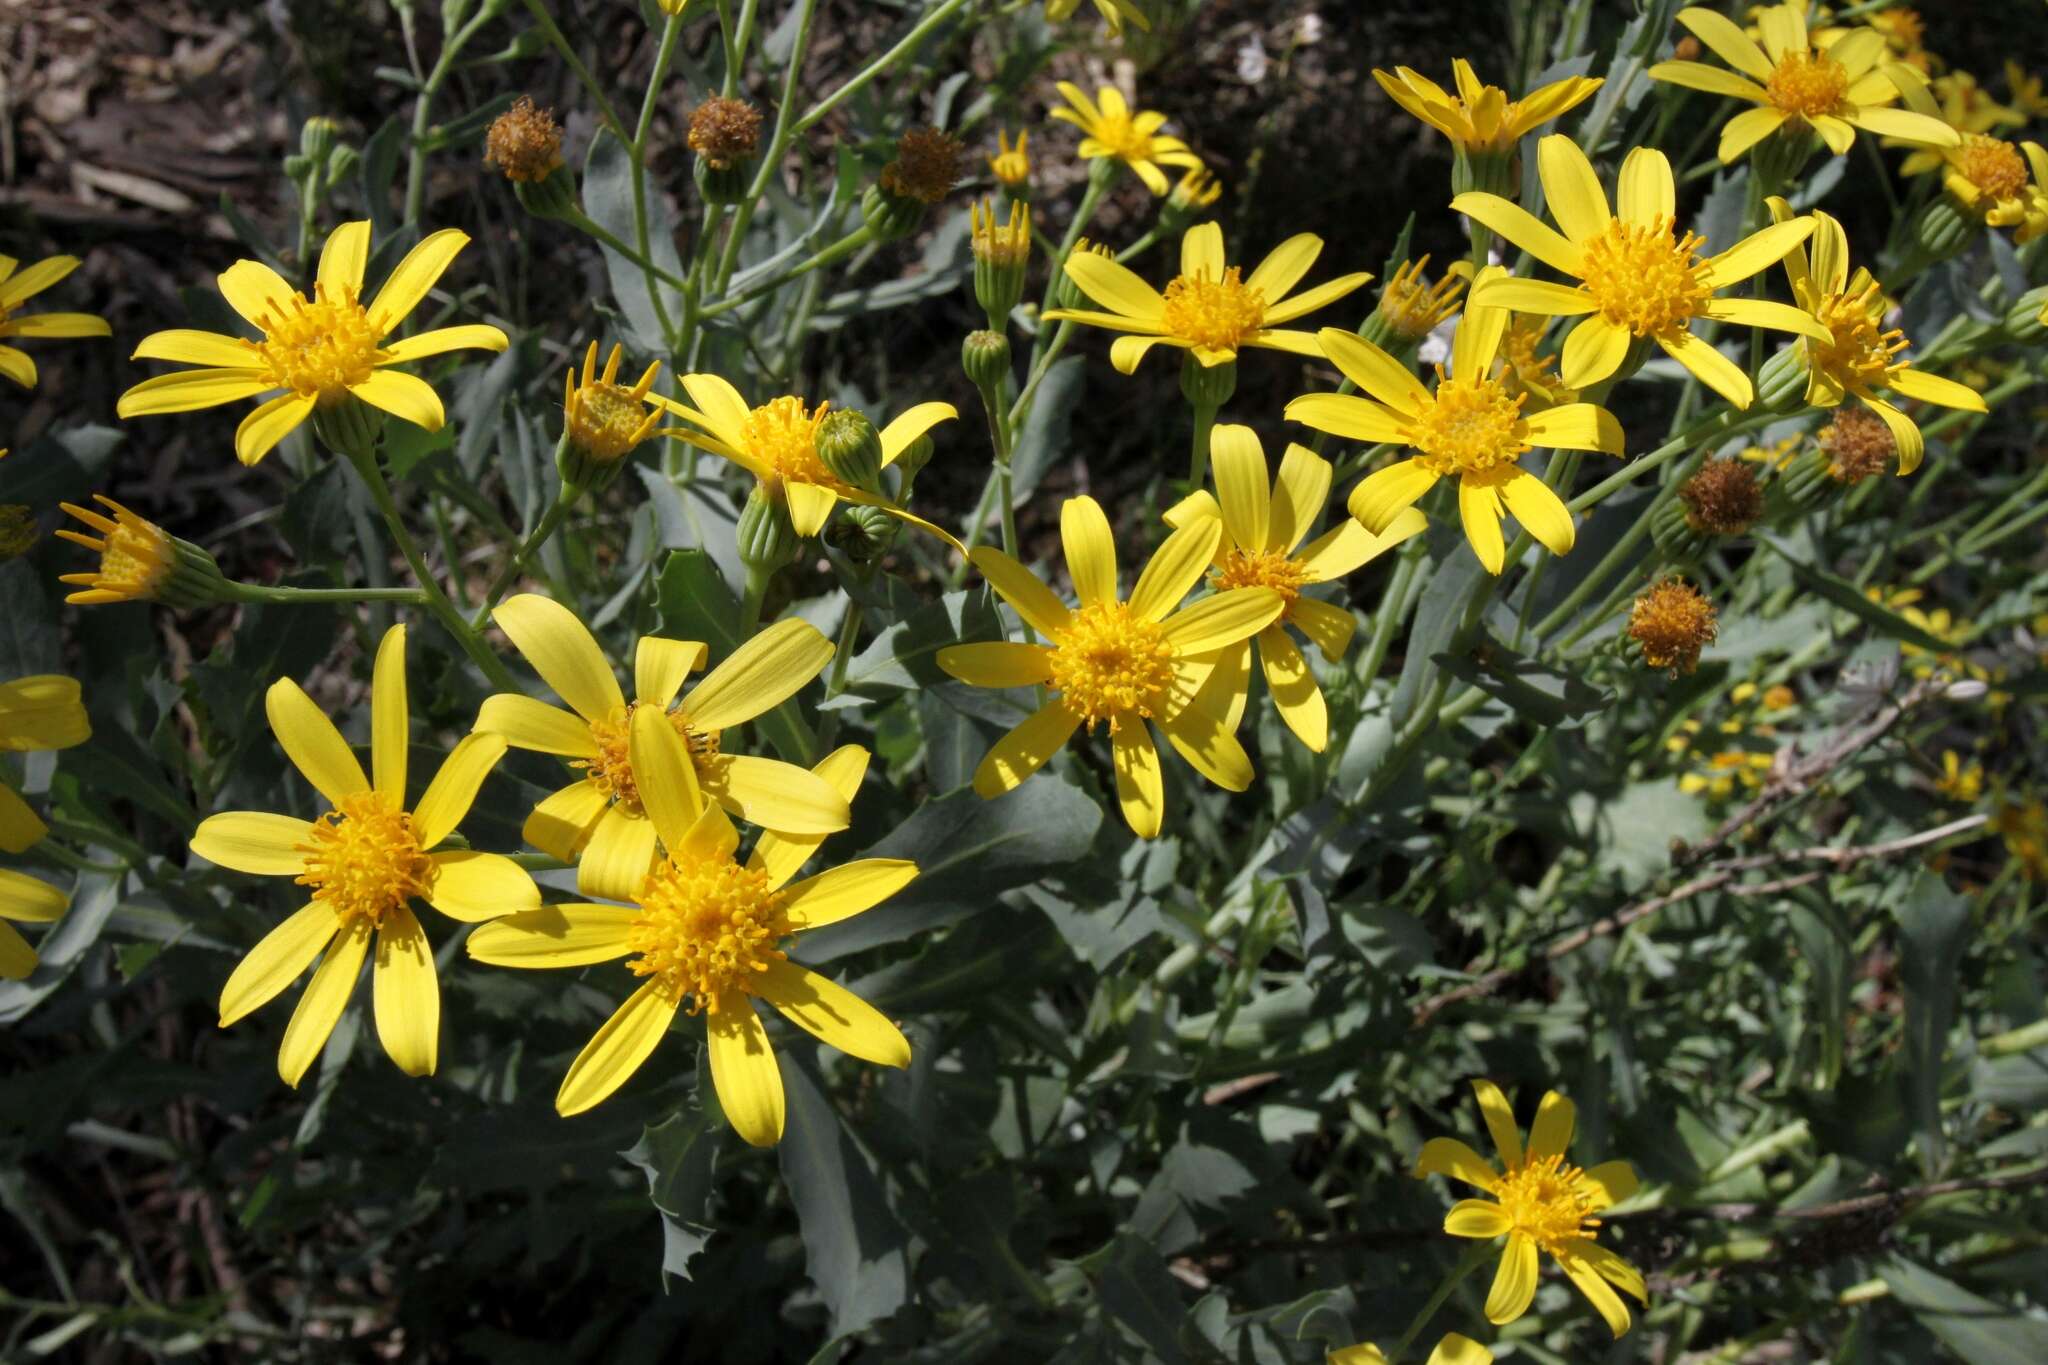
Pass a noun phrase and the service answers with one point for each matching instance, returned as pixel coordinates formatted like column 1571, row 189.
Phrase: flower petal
column 1243, row 487
column 615, row 863
column 1540, row 510
column 1541, row 297
column 529, row 724
column 1522, row 228
column 190, row 390
column 1613, row 1180
column 660, row 666
column 1711, row 79
column 260, row 431
column 810, row 506
column 999, row 663
column 782, row 855
column 1932, row 388
column 312, row 743
column 845, row 891
column 470, row 336
column 1202, row 737
column 1499, row 1116
column 405, row 993
column 1294, row 689
column 910, row 424
column 479, row 887
column 1284, row 266
column 1349, row 545
column 254, row 842
column 1448, row 1156
column 1646, row 192
column 453, row 789
column 1551, row 1133
column 1572, row 189
column 1140, row 785
column 1781, row 317
column 1299, row 495
column 1904, row 125
column 1222, row 619
column 1593, row 350
column 1090, row 550
column 1726, row 40
column 1758, row 251
column 1022, row 589
column 556, row 936
column 1576, row 426
column 191, row 347
column 1596, row 1289
column 1309, row 300
column 342, row 259
column 17, row 958
column 1342, row 414
column 1384, row 494
column 832, row 1014
column 1746, row 129
column 254, row 290
column 760, row 675
column 1373, row 370
column 1481, row 1218
column 615, row 1053
column 563, row 822
column 1715, row 370
column 1175, row 567
column 276, row 961
column 390, row 713
column 776, row 795
column 1905, row 432
column 1514, row 1284
column 563, row 651
column 1115, row 287
column 744, row 1070
column 402, row 395
column 412, row 277
column 665, row 774
column 1024, row 750
column 319, row 1009
column 1479, row 509
column 29, row 900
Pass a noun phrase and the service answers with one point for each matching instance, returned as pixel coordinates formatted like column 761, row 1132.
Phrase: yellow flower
column 1541, row 1204
column 2024, row 827
column 1528, row 370
column 599, row 821
column 2029, row 100
column 1412, row 307
column 1113, row 13
column 28, row 900
column 17, row 285
column 1959, row 782
column 1261, row 548
column 1830, row 82
column 1481, row 118
column 1112, row 130
column 1012, row 165
column 1778, row 455
column 1968, row 107
column 1469, row 428
column 1120, row 662
column 704, row 925
column 602, row 416
column 364, row 861
column 1452, row 1350
column 1207, row 308
column 1859, row 355
column 135, row 555
column 1637, row 277
column 319, row 350
column 778, row 444
column 36, row 713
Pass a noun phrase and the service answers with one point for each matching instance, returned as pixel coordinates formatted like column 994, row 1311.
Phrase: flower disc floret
column 317, row 348
column 1107, row 664
column 363, row 860
column 1808, row 84
column 707, row 928
column 1646, row 278
column 1991, row 164
column 1215, row 313
column 1470, row 426
column 1275, row 569
column 1862, row 352
column 783, row 435
column 1549, row 1201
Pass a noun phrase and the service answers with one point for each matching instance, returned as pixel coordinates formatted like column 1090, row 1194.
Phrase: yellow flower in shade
column 1968, row 107
column 1991, row 178
column 703, row 925
column 1207, row 309
column 1119, row 662
column 1859, row 355
column 1012, row 165
column 1541, row 1204
column 2024, row 827
column 1113, row 13
column 319, row 350
column 600, row 820
column 1638, row 278
column 18, row 285
column 36, row 713
column 135, row 555
column 27, row 900
column 1960, row 782
column 2029, row 99
column 1112, row 130
column 778, row 444
column 1412, row 307
column 363, row 861
column 1831, row 82
column 603, row 418
column 1469, row 428
column 1481, row 118
column 1261, row 548
column 1452, row 1350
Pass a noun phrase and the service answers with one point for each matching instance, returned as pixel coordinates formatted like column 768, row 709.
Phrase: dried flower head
column 1723, row 499
column 724, row 131
column 525, row 142
column 1858, row 445
column 927, row 166
column 1672, row 623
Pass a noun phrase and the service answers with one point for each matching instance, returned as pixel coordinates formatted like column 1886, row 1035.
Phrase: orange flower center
column 1808, row 84
column 1548, row 1201
column 706, row 927
column 1469, row 426
column 1218, row 314
column 1107, row 664
column 364, row 860
column 1861, row 353
column 1646, row 279
column 1274, row 569
column 319, row 348
column 1992, row 164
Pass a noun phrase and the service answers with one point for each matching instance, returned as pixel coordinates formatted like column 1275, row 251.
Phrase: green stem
column 1198, row 456
column 755, row 594
column 838, row 251
column 778, row 147
column 1475, row 1256
column 550, row 522
column 583, row 223
column 873, row 69
column 255, row 592
column 545, row 22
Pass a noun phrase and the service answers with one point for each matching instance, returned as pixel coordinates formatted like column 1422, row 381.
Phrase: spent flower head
column 725, row 131
column 927, row 166
column 524, row 142
column 1671, row 624
column 1723, row 498
column 1858, row 445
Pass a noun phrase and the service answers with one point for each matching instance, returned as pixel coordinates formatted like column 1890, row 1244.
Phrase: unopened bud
column 985, row 356
column 1189, row 200
column 766, row 539
column 1781, row 383
column 1002, row 253
column 863, row 534
column 849, row 446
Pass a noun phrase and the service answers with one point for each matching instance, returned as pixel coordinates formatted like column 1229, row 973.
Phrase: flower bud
column 1189, row 200
column 1012, row 166
column 914, row 458
column 1410, row 307
column 524, row 143
column 1806, row 480
column 926, row 168
column 1066, row 292
column 862, row 534
column 348, row 426
column 1002, row 253
column 139, row 562
column 318, row 137
column 602, row 421
column 1941, row 231
column 1781, row 383
column 986, row 358
column 1207, row 387
column 2027, row 320
column 767, row 541
column 849, row 446
column 1681, row 542
column 887, row 217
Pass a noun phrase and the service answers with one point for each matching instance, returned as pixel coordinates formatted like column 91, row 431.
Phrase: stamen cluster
column 1276, row 569
column 1214, row 313
column 1469, row 426
column 706, row 927
column 782, row 434
column 1548, row 1201
column 318, row 347
column 364, row 860
column 1862, row 352
column 1644, row 278
column 1723, row 499
column 1107, row 664
column 1808, row 84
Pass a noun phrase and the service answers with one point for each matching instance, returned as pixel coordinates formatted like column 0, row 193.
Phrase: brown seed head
column 1672, row 622
column 723, row 131
column 926, row 168
column 1723, row 499
column 525, row 143
column 1858, row 445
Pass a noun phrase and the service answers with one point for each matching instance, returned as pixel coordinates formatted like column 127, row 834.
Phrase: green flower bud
column 341, row 163
column 862, row 534
column 1207, row 387
column 1943, row 229
column 348, row 426
column 2027, row 320
column 1002, row 253
column 1781, row 383
column 986, row 358
column 725, row 184
column 318, row 137
column 766, row 539
column 1806, row 480
column 849, row 446
column 1679, row 541
column 890, row 216
column 914, row 458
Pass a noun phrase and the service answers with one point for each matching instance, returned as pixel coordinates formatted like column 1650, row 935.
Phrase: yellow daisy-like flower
column 1012, row 165
column 319, row 350
column 36, row 713
column 1470, row 427
column 706, row 926
column 2003, row 183
column 364, row 861
column 1541, row 1204
column 603, row 418
column 1638, row 278
column 1968, row 107
column 1830, row 82
column 1860, row 355
column 1480, row 117
column 1261, row 548
column 1959, row 782
column 778, row 444
column 2029, row 97
column 136, row 556
column 600, row 820
column 1112, row 130
column 1119, row 662
column 16, row 287
column 1452, row 1350
column 1113, row 13
column 1207, row 309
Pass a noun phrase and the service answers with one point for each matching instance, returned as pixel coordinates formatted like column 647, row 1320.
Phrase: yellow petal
column 259, row 432
column 712, row 837
column 1309, row 300
column 20, row 827
column 17, row 959
column 1715, row 370
column 1746, row 129
column 1383, row 495
column 1479, row 1218
column 312, row 743
column 1541, row 511
column 1373, row 370
column 744, row 1070
column 29, row 900
column 1596, row 1290
column 406, row 994
column 1459, row 1350
column 832, row 1014
column 1000, row 663
column 1541, row 297
column 1711, row 79
column 454, row 787
column 1201, row 252
column 1932, row 388
column 1203, row 738
column 1614, row 1181
column 810, row 506
column 1025, row 749
column 910, row 424
column 470, row 336
column 665, row 775
column 1448, row 1156
column 556, row 936
column 1327, row 624
column 1140, row 785
column 477, row 887
column 1572, row 189
column 191, row 347
column 759, row 676
column 1091, row 550
column 1647, row 192
column 342, row 260
column 726, row 412
column 780, row 855
column 1758, row 251
column 254, row 290
column 1522, row 228
column 1476, row 342
column 1479, row 508
column 776, row 795
column 529, row 724
column 276, row 961
column 1022, row 589
column 1499, row 1116
column 412, row 277
column 564, row 653
column 1294, row 688
column 620, row 854
column 1299, row 494
column 1905, row 433
column 660, row 667
column 1551, row 1133
column 1726, row 40
column 845, row 891
column 319, row 1009
column 1576, row 426
column 189, row 390
column 1514, row 1284
column 562, row 823
column 402, row 395
column 1114, row 287
column 1175, row 568
column 255, row 841
column 1341, row 414
column 1904, row 125
column 1593, row 350
column 1223, row 619
column 1781, row 317
column 390, row 710
column 1285, row 265
column 624, row 1042
column 1242, row 484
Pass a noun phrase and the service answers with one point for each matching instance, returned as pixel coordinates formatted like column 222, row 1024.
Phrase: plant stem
column 1475, row 1256
column 550, row 522
column 256, row 592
